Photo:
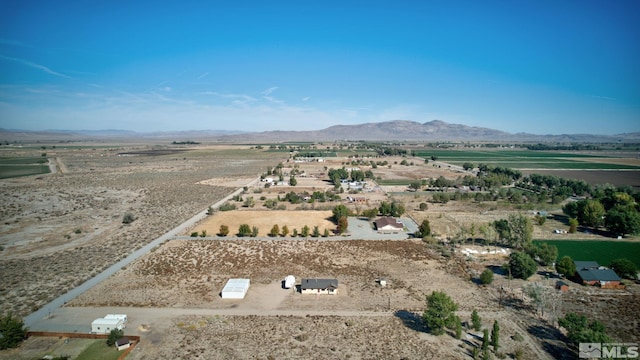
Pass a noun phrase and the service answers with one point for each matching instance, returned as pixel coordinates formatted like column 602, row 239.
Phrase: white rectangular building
column 235, row 289
column 104, row 326
column 122, row 317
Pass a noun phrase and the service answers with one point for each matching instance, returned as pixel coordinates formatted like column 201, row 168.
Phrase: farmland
column 525, row 159
column 74, row 217
column 603, row 251
column 11, row 167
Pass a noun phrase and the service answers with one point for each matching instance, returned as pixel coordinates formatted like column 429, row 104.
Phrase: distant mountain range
column 396, row 130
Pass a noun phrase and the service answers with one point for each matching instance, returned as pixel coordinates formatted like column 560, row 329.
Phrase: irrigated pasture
column 602, row 251
column 11, row 167
column 528, row 159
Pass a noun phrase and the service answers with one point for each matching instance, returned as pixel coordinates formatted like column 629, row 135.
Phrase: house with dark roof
column 388, row 223
column 591, row 273
column 319, row 286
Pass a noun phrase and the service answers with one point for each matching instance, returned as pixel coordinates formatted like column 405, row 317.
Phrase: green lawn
column 99, row 351
column 597, row 250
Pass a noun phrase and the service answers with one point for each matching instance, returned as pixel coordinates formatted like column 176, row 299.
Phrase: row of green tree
column 616, row 211
column 245, row 230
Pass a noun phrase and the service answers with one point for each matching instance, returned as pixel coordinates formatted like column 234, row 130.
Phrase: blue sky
column 543, row 67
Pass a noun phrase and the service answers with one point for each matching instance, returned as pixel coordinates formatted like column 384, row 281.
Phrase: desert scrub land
column 61, row 229
column 313, row 337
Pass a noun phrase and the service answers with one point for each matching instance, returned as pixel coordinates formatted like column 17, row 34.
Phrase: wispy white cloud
column 203, row 75
column 306, row 98
column 603, row 97
column 269, row 91
column 35, row 66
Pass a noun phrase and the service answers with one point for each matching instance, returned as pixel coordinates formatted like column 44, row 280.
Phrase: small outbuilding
column 123, row 343
column 235, row 289
column 562, row 286
column 319, row 286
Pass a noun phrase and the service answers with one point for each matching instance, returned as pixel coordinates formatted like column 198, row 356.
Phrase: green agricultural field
column 22, row 166
column 601, row 251
column 394, row 182
column 523, row 159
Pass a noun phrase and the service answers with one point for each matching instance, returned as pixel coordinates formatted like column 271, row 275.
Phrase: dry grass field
column 265, row 219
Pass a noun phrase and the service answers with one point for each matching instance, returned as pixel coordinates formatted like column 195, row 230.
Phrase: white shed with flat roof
column 235, row 289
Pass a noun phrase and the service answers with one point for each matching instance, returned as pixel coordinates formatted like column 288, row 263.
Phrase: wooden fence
column 133, row 338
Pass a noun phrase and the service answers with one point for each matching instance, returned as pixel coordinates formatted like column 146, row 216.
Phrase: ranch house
column 388, row 223
column 591, row 273
column 319, row 286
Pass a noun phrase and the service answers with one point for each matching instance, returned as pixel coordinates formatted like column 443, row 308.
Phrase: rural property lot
column 64, row 227
column 190, row 274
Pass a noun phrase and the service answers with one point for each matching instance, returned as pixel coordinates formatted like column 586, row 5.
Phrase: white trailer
column 122, row 317
column 104, row 326
column 289, row 281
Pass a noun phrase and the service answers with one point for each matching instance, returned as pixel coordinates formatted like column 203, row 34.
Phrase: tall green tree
column 566, row 266
column 495, row 336
column 485, row 339
column 544, row 253
column 623, row 220
column 521, row 265
column 573, row 225
column 520, row 229
column 624, row 268
column 340, row 211
column 476, row 321
column 591, row 213
column 12, row 331
column 502, row 229
column 440, row 312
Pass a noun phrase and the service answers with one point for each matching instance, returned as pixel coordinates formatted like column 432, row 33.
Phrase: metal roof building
column 235, row 289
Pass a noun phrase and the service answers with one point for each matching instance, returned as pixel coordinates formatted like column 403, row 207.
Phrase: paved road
column 32, row 319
